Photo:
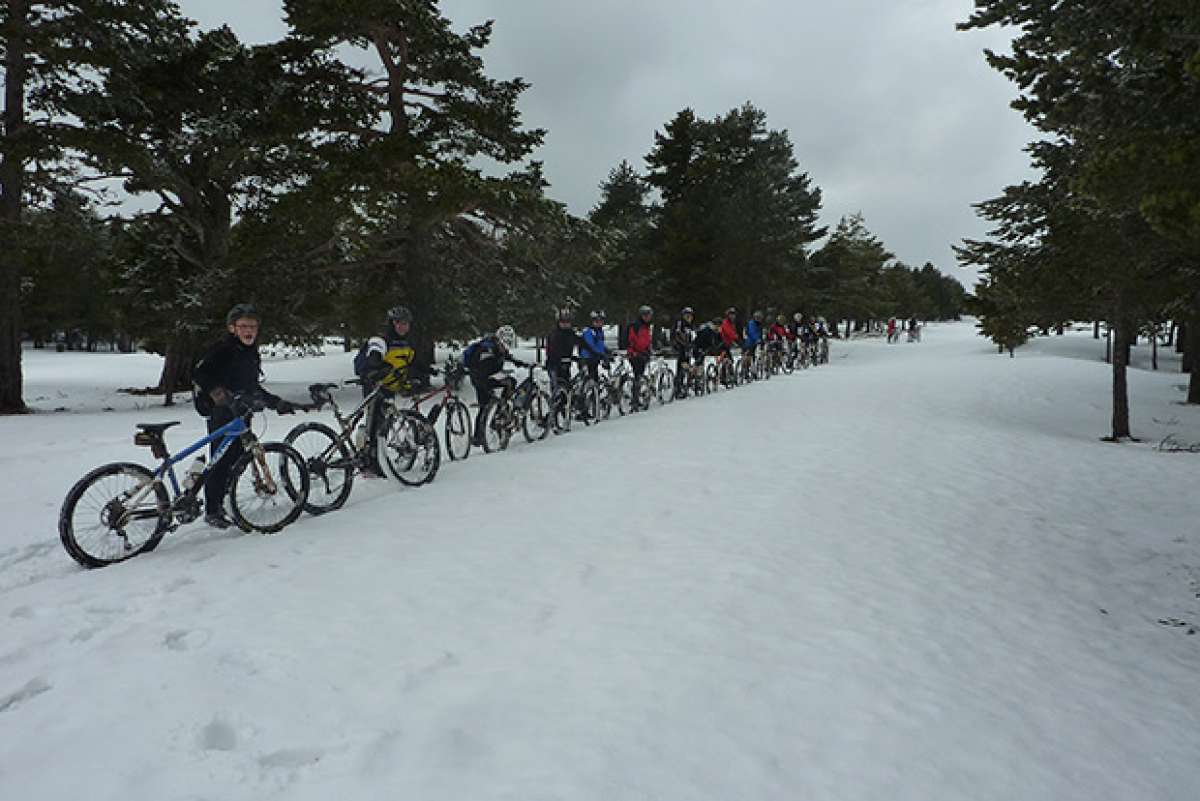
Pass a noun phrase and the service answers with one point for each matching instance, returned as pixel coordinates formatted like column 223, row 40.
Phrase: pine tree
column 48, row 48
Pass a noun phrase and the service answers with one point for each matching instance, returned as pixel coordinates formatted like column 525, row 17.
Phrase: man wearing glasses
column 232, row 366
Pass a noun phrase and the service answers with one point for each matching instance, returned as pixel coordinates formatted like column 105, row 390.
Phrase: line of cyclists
column 710, row 354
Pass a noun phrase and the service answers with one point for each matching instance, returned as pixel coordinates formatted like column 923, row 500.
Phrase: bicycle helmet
column 399, row 314
column 758, row 316
column 798, row 317
column 686, row 311
column 597, row 315
column 241, row 310
column 644, row 310
column 564, row 315
column 779, row 318
column 507, row 336
column 731, row 312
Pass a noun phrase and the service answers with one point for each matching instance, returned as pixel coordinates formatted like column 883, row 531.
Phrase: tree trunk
column 1108, row 345
column 1181, row 335
column 1120, row 387
column 1096, row 330
column 1154, row 349
column 177, row 370
column 847, row 329
column 12, row 190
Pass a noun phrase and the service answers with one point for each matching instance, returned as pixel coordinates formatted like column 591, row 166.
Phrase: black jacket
column 232, row 365
column 561, row 344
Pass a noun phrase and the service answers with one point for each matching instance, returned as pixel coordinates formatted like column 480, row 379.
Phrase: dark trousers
column 216, row 484
column 638, row 363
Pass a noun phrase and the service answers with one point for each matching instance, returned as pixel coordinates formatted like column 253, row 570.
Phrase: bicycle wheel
column 458, row 430
column 625, row 396
column 97, row 525
column 788, row 364
column 585, row 401
column 727, row 374
column 410, row 450
column 712, row 380
column 605, row 400
column 560, row 411
column 268, row 487
column 330, row 466
column 496, row 426
column 535, row 424
column 665, row 387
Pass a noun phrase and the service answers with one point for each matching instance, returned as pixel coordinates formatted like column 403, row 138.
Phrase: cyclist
column 484, row 360
column 681, row 339
column 638, row 349
column 231, row 366
column 387, row 360
column 777, row 335
column 592, row 348
column 560, row 344
column 754, row 338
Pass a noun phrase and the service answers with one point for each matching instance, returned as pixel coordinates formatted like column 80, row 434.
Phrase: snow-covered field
column 916, row 573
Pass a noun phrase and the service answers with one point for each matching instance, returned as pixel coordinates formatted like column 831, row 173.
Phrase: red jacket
column 729, row 332
column 639, row 339
column 777, row 331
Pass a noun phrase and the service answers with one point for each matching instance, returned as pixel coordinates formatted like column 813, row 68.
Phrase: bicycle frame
column 227, row 433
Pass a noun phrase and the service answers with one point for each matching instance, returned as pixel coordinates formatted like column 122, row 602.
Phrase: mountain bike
column 451, row 408
column 333, row 458
column 123, row 509
column 523, row 407
column 575, row 398
column 625, row 397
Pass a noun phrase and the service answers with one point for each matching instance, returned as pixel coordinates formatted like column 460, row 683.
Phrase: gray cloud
column 891, row 111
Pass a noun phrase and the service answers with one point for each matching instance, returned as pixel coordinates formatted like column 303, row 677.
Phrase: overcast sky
column 891, row 111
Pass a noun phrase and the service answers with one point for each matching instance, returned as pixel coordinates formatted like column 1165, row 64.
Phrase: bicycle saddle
column 320, row 387
column 156, row 428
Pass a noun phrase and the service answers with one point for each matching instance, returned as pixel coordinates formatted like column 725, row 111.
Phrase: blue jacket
column 592, row 348
column 753, row 333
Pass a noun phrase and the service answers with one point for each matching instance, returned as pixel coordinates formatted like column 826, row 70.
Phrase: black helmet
column 564, row 314
column 597, row 315
column 399, row 314
column 241, row 311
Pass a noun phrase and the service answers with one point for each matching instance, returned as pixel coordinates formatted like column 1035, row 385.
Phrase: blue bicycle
column 123, row 509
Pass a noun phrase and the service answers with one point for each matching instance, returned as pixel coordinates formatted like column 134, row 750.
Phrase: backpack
column 360, row 359
column 469, row 351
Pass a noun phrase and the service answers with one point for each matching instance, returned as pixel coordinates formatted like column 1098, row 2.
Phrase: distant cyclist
column 682, row 336
column 638, row 348
column 593, row 349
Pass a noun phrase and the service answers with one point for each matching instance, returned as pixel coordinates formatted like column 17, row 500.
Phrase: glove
column 220, row 396
column 285, row 407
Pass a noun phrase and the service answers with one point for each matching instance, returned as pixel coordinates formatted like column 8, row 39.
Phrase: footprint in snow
column 218, row 736
column 186, row 639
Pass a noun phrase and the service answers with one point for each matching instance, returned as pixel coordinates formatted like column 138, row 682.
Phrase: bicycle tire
column 410, row 449
column 457, row 430
column 586, row 402
column 78, row 546
column 560, row 411
column 288, row 477
column 535, row 423
column 495, row 431
column 625, row 397
column 665, row 389
column 329, row 463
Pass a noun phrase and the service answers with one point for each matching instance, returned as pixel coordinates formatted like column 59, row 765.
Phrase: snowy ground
column 914, row 574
